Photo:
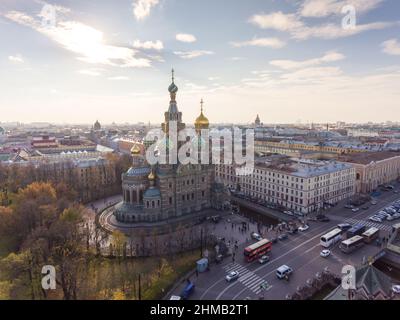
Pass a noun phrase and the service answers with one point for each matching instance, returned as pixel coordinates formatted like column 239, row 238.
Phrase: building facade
column 299, row 185
column 374, row 169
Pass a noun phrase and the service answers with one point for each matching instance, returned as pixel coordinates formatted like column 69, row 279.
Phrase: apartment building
column 300, row 185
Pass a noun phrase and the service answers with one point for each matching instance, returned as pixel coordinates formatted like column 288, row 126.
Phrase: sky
column 289, row 61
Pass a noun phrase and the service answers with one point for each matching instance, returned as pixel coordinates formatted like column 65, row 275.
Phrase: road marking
column 319, row 227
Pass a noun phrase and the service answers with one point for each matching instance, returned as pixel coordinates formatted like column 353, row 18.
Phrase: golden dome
column 151, row 176
column 201, row 121
column 136, row 150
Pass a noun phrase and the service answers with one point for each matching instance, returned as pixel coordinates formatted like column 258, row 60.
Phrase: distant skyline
column 286, row 60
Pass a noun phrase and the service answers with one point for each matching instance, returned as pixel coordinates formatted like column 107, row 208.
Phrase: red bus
column 257, row 249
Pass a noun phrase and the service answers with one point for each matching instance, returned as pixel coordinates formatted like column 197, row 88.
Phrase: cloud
column 324, row 8
column 261, row 42
column 91, row 72
column 84, row 41
column 298, row 30
column 391, row 47
column 277, row 21
column 334, row 31
column 192, row 54
column 119, row 78
column 156, row 45
column 16, row 59
column 291, row 64
column 142, row 8
column 185, row 37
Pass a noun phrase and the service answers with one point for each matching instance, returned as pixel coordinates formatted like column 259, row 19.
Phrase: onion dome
column 172, row 87
column 135, row 150
column 151, row 176
column 201, row 121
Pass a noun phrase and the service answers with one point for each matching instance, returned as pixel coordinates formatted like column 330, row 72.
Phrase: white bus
column 370, row 235
column 331, row 238
column 351, row 244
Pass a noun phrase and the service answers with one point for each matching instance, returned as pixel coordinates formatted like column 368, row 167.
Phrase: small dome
column 135, row 150
column 173, row 88
column 201, row 121
column 152, row 193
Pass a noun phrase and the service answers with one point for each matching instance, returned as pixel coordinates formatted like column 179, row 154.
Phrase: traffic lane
column 304, row 267
column 287, row 249
column 275, row 262
column 382, row 203
column 312, row 232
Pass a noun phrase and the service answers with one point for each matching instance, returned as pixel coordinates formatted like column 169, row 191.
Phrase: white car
column 233, row 275
column 355, row 209
column 375, row 219
column 304, row 228
column 256, row 236
column 325, row 253
column 396, row 289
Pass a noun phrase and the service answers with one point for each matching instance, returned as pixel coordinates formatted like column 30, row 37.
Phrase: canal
column 258, row 217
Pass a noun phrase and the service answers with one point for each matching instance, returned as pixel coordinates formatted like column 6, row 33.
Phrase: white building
column 297, row 184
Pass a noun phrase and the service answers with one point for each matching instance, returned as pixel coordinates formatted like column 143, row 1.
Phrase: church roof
column 138, row 172
column 373, row 281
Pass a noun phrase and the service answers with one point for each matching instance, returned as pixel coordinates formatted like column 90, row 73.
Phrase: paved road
column 300, row 251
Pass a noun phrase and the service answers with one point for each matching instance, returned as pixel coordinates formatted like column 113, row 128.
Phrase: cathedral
column 168, row 191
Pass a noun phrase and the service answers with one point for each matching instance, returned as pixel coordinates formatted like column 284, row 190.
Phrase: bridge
column 260, row 209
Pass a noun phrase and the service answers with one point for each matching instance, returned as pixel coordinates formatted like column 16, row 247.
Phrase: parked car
column 304, row 228
column 349, row 206
column 365, row 207
column 283, row 237
column 233, row 275
column 375, row 219
column 374, row 202
column 325, row 253
column 283, row 271
column 355, row 209
column 263, row 259
column 293, row 231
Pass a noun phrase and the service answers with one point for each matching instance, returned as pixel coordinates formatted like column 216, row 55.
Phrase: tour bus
column 351, row 244
column 370, row 235
column 257, row 249
column 357, row 230
column 331, row 238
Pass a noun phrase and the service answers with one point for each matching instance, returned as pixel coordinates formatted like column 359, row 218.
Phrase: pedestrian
column 197, row 273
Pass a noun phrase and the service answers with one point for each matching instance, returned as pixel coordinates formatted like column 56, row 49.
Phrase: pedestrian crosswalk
column 248, row 278
column 369, row 224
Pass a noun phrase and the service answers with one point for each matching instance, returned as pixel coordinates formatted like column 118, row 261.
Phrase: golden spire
column 151, row 176
column 201, row 121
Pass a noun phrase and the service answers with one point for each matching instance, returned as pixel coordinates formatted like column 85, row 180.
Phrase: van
column 283, row 271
